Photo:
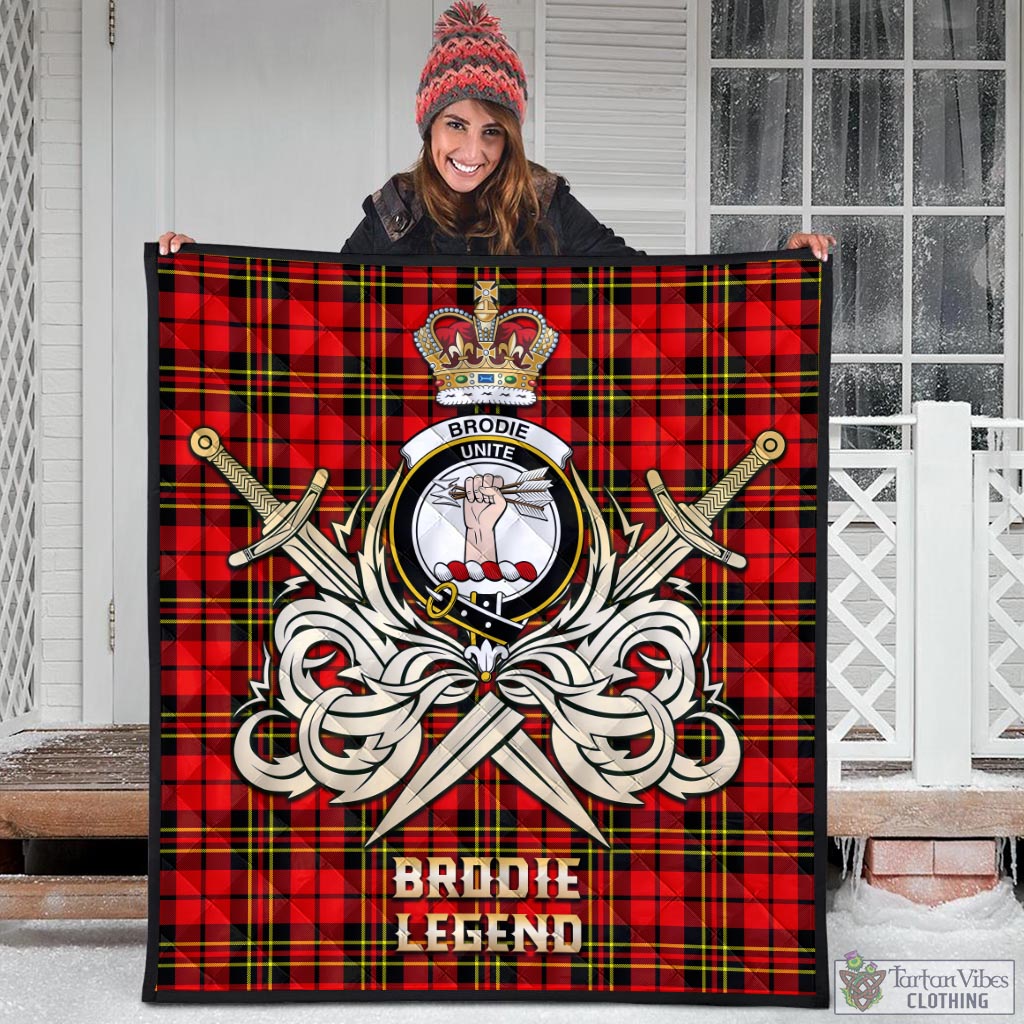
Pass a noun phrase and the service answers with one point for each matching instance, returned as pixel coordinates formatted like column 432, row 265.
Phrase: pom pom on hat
column 471, row 59
column 463, row 14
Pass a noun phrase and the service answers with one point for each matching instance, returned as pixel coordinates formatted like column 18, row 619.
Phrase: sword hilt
column 768, row 447
column 205, row 444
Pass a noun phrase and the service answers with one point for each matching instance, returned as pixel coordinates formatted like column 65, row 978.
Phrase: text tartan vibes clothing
column 622, row 868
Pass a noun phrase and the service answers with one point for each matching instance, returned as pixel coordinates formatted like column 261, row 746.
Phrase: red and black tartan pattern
column 303, row 360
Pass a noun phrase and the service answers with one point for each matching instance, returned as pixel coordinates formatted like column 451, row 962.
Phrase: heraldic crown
column 486, row 358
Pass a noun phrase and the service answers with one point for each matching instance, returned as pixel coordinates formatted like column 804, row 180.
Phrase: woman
column 473, row 189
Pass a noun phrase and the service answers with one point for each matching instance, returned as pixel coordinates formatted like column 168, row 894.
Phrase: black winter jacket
column 395, row 223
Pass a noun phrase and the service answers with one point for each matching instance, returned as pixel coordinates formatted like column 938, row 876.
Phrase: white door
column 245, row 122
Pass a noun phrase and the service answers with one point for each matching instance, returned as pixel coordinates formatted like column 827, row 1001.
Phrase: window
column 891, row 124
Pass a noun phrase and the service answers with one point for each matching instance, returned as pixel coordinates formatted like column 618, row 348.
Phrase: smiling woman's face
column 466, row 144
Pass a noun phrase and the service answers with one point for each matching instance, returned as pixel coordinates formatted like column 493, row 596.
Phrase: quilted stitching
column 303, row 363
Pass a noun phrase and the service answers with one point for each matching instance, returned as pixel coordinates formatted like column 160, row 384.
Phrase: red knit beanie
column 470, row 60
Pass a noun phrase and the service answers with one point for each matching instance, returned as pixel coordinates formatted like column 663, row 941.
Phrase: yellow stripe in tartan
column 399, row 378
column 414, row 961
column 239, row 600
column 432, row 729
column 724, row 585
column 632, row 507
column 266, row 620
column 249, row 870
column 452, row 714
column 267, row 279
column 611, row 525
column 207, row 734
column 704, row 585
column 304, row 393
column 270, row 847
column 328, row 506
column 439, row 280
column 553, row 830
column 589, row 944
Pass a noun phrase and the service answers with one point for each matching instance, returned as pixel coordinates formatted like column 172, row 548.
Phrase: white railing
column 19, row 369
column 998, row 709
column 870, row 605
column 926, row 595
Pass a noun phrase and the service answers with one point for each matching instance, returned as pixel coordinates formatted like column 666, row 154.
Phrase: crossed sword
column 491, row 728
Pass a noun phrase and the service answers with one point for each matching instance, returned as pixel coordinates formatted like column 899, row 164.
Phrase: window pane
column 958, row 284
column 867, row 275
column 756, row 136
column 959, row 29
column 959, row 138
column 858, row 29
column 866, row 389
column 858, row 138
column 870, row 437
column 758, row 29
column 754, row 233
column 981, row 384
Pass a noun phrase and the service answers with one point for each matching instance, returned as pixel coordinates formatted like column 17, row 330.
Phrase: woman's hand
column 818, row 244
column 172, row 241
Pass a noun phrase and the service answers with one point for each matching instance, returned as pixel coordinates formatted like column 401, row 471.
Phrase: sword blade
column 476, row 735
column 526, row 763
column 656, row 557
column 322, row 562
column 650, row 563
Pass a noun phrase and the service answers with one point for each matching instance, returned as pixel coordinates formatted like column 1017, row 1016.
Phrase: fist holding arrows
column 482, row 506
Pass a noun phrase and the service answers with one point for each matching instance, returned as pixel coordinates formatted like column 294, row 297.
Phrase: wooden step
column 87, row 782
column 73, row 814
column 110, row 757
column 927, row 812
column 33, row 897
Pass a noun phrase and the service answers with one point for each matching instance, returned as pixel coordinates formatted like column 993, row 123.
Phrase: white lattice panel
column 18, row 384
column 871, row 621
column 998, row 726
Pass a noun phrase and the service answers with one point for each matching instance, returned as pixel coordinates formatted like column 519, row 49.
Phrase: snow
column 1008, row 843
column 851, row 849
column 90, row 972
column 980, row 780
column 11, row 746
column 55, row 738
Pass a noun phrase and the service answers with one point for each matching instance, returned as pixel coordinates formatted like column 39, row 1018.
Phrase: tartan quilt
column 487, row 608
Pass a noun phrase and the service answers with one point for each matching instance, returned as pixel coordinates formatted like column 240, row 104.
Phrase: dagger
column 490, row 728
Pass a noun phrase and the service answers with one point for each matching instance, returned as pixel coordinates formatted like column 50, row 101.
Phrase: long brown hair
column 495, row 209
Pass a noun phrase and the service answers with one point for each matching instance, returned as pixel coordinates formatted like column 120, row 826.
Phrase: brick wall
column 60, row 287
